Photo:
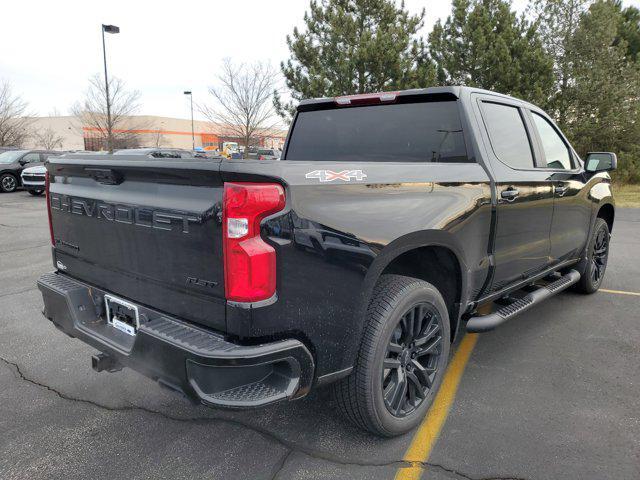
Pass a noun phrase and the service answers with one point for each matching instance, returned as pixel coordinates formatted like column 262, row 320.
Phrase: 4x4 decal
column 330, row 176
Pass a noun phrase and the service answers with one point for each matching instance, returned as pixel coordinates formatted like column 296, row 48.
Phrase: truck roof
column 446, row 93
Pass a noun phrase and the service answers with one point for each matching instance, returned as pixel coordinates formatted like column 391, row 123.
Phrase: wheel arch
column 409, row 255
column 607, row 213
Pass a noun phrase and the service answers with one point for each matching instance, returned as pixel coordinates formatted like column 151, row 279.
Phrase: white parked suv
column 33, row 179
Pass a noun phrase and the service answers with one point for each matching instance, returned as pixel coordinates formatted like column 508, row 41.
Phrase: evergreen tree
column 629, row 29
column 485, row 44
column 604, row 96
column 557, row 22
column 355, row 46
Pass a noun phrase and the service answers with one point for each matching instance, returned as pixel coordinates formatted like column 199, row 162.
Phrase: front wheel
column 8, row 183
column 592, row 268
column 402, row 358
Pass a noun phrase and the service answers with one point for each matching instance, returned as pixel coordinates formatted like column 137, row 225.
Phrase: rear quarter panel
column 335, row 238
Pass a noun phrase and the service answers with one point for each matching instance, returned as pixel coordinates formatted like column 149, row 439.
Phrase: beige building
column 144, row 131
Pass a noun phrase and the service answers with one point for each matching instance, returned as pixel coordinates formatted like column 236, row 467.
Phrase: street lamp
column 193, row 135
column 108, row 29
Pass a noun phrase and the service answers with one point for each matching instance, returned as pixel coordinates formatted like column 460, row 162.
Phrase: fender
column 412, row 241
column 600, row 194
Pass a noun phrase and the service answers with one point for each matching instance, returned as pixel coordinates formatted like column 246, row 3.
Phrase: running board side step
column 485, row 323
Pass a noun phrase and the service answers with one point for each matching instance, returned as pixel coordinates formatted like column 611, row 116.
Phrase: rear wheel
column 592, row 268
column 8, row 183
column 402, row 357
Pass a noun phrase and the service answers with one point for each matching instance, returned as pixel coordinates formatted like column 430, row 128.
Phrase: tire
column 593, row 267
column 366, row 395
column 8, row 183
column 36, row 193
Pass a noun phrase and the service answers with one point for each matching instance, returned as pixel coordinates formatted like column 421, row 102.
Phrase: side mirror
column 22, row 162
column 601, row 162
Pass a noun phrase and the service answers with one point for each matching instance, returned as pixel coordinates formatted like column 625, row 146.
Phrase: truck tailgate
column 146, row 230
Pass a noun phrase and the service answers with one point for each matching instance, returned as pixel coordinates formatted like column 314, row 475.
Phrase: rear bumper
column 197, row 362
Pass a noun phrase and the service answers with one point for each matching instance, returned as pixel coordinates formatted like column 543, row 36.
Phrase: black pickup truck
column 392, row 223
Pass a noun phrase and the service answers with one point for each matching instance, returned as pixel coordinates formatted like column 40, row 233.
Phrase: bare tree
column 48, row 139
column 243, row 101
column 92, row 112
column 158, row 137
column 15, row 122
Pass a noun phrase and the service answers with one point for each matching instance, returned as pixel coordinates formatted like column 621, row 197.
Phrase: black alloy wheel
column 593, row 265
column 599, row 256
column 402, row 357
column 411, row 362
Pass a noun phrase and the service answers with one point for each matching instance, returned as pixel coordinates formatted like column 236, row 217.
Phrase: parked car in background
column 252, row 153
column 6, row 149
column 157, row 152
column 269, row 154
column 207, row 154
column 33, row 179
column 12, row 163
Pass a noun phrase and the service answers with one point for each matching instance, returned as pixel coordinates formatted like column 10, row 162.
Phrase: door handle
column 510, row 194
column 561, row 189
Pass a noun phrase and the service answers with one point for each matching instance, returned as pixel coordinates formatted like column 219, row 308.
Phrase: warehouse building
column 142, row 131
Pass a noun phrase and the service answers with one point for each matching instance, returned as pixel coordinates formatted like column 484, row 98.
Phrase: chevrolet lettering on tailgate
column 143, row 217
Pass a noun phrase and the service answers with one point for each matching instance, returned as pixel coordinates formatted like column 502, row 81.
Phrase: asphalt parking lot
column 552, row 395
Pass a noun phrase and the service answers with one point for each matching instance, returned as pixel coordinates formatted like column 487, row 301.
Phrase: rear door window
column 405, row 132
column 508, row 135
column 556, row 152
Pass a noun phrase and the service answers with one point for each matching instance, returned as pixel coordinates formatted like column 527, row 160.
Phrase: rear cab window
column 420, row 132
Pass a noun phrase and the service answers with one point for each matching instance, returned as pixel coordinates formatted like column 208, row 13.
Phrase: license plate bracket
column 122, row 315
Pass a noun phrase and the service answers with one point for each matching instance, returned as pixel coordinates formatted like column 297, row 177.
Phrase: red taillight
column 367, row 99
column 249, row 262
column 48, row 199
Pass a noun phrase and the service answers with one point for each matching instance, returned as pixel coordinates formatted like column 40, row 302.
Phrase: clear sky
column 49, row 48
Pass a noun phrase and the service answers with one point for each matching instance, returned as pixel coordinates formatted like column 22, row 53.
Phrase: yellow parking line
column 620, row 292
column 428, row 432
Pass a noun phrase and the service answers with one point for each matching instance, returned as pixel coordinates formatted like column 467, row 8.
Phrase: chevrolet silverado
column 392, row 224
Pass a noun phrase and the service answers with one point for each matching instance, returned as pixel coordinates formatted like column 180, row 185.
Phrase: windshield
column 11, row 156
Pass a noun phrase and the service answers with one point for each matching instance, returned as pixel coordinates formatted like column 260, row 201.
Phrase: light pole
column 193, row 135
column 108, row 29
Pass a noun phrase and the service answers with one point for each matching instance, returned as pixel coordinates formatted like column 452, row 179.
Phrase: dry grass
column 627, row 195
